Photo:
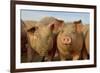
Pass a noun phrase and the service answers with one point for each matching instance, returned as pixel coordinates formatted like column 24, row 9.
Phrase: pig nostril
column 66, row 40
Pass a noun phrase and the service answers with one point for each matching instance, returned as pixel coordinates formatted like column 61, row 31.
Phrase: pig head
column 26, row 50
column 42, row 37
column 70, row 41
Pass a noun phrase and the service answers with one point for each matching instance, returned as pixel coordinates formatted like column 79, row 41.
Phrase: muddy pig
column 70, row 41
column 42, row 37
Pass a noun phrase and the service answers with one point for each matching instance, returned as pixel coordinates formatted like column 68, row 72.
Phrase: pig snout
column 66, row 40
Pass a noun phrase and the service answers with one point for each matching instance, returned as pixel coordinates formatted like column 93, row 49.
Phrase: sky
column 66, row 16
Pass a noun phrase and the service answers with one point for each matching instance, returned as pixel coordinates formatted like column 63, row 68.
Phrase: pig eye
column 32, row 29
column 73, row 31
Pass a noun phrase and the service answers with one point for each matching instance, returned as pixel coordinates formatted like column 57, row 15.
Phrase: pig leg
column 75, row 55
column 63, row 54
column 62, row 57
column 50, row 55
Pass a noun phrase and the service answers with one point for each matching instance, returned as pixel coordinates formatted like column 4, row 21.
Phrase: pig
column 86, row 36
column 87, row 42
column 70, row 41
column 28, row 53
column 23, row 42
column 86, row 48
column 42, row 37
column 23, row 36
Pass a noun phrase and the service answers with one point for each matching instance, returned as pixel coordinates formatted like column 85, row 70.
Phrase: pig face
column 40, row 39
column 68, row 31
column 70, row 41
column 41, row 36
column 28, row 53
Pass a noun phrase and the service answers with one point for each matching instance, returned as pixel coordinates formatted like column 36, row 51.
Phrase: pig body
column 86, row 36
column 70, row 42
column 86, row 48
column 87, row 41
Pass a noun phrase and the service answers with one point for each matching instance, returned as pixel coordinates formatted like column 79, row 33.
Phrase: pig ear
column 28, row 24
column 56, row 25
column 33, row 29
column 78, row 26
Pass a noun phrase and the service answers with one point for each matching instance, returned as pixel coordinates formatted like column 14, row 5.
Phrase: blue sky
column 66, row 16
